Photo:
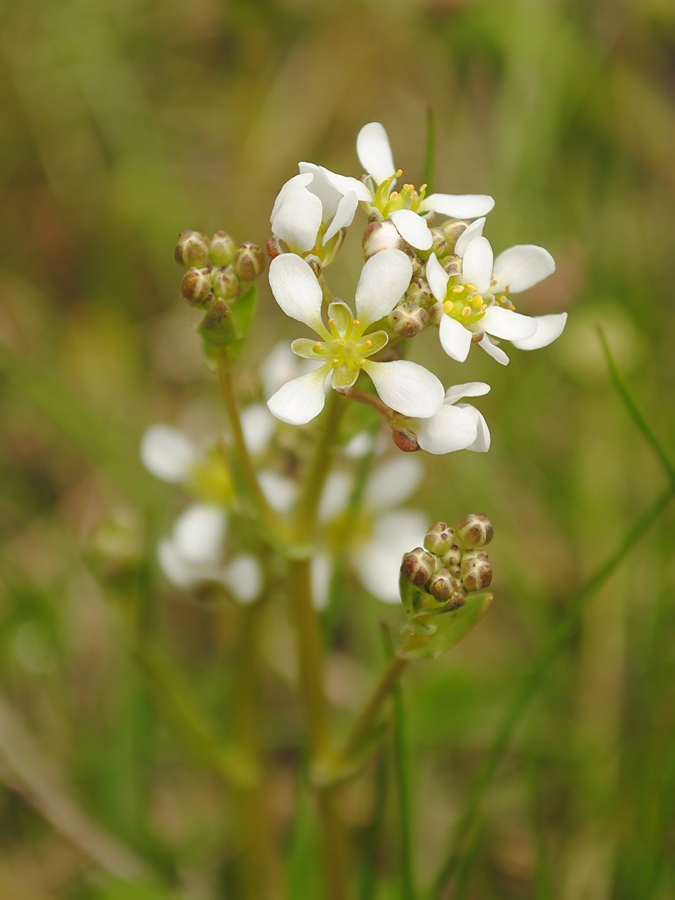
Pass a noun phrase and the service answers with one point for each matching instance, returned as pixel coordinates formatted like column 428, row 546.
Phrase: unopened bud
column 452, row 264
column 275, row 247
column 225, row 283
column 419, row 292
column 222, row 249
column 453, row 229
column 381, row 236
column 436, row 313
column 439, row 240
column 196, row 286
column 475, row 530
column 218, row 327
column 476, row 572
column 418, row 566
column 405, row 440
column 439, row 538
column 452, row 559
column 419, row 267
column 192, row 249
column 249, row 261
column 314, row 263
column 442, row 586
column 408, row 319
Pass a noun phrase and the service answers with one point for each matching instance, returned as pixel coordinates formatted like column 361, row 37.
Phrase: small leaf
column 244, row 310
column 218, row 328
column 444, row 630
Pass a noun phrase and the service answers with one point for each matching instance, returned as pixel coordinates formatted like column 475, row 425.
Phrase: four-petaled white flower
column 345, row 347
column 476, row 303
column 456, row 426
column 309, row 212
column 406, row 208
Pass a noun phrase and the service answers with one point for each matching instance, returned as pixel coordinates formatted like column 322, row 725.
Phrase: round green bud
column 452, row 264
column 476, row 572
column 452, row 559
column 439, row 538
column 222, row 249
column 408, row 319
column 418, row 567
column 225, row 283
column 249, row 261
column 192, row 249
column 196, row 286
column 442, row 586
column 419, row 292
column 475, row 530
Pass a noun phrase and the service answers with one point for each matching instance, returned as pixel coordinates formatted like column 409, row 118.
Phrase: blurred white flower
column 456, row 426
column 476, row 303
column 168, row 453
column 407, row 208
column 345, row 348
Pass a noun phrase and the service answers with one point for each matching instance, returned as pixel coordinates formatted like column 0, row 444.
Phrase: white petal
column 477, row 266
column 393, row 481
column 493, row 350
column 459, row 206
column 406, row 387
column 243, row 576
column 378, row 561
column 450, row 429
column 482, row 442
column 438, row 278
column 344, row 215
column 412, row 228
column 321, row 574
column 280, row 492
column 176, row 569
column 167, row 453
column 548, row 329
column 258, row 426
column 344, row 184
column 199, row 533
column 297, row 290
column 374, row 152
column 360, row 445
column 520, row 267
column 470, row 389
column 298, row 219
column 383, row 282
column 296, row 181
column 474, row 230
column 504, row 323
column 302, row 399
column 455, row 338
column 335, row 496
column 321, row 186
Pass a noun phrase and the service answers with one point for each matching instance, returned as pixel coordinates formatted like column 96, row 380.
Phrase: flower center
column 464, row 303
column 349, row 348
column 387, row 201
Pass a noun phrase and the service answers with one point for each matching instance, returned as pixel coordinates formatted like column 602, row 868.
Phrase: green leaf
column 244, row 310
column 228, row 324
column 444, row 630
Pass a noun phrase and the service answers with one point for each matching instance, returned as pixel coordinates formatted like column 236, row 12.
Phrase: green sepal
column 431, row 634
column 228, row 324
column 244, row 310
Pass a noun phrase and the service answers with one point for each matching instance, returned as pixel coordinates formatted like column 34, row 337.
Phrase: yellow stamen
column 369, row 343
column 336, row 361
column 356, row 323
column 466, row 311
column 361, row 362
column 458, row 289
column 331, row 321
column 471, row 287
column 477, row 301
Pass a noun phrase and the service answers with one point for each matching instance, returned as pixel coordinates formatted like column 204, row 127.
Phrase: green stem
column 266, row 516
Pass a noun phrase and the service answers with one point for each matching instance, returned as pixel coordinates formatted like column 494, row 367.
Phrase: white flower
column 476, row 302
column 193, row 554
column 345, row 348
column 456, row 426
column 168, row 453
column 407, row 208
column 382, row 534
column 308, row 207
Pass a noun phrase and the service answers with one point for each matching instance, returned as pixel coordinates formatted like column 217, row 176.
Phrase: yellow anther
column 507, row 289
column 393, row 195
column 361, row 362
column 471, row 287
column 336, row 361
column 369, row 343
column 483, row 307
column 399, row 172
column 318, row 345
column 423, row 187
column 477, row 301
column 356, row 323
column 458, row 289
column 466, row 312
column 331, row 321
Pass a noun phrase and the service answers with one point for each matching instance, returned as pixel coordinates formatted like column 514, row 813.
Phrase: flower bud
column 419, row 292
column 222, row 249
column 381, row 236
column 476, row 572
column 436, row 313
column 225, row 283
column 314, row 263
column 475, row 530
column 196, row 286
column 248, row 262
column 439, row 241
column 192, row 249
column 453, row 229
column 452, row 559
column 452, row 264
column 442, row 586
column 418, row 567
column 419, row 267
column 439, row 538
column 405, row 440
column 275, row 247
column 408, row 319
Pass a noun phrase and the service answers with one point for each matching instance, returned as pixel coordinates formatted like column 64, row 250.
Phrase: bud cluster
column 453, row 561
column 218, row 269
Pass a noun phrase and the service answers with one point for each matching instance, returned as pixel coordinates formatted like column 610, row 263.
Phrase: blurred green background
column 126, row 122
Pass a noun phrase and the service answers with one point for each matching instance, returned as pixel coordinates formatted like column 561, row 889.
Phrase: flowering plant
column 280, row 509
